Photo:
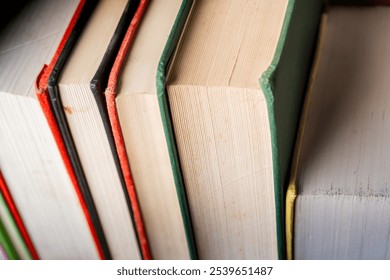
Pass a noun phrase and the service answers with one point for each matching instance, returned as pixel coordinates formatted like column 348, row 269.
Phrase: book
column 44, row 84
column 79, row 90
column 135, row 117
column 31, row 163
column 165, row 60
column 230, row 100
column 21, row 244
column 339, row 195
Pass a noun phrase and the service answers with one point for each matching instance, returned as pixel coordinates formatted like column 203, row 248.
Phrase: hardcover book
column 338, row 203
column 134, row 114
column 78, row 94
column 31, row 163
column 44, row 83
column 230, row 100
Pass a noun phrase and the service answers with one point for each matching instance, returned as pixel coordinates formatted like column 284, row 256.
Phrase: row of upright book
column 208, row 129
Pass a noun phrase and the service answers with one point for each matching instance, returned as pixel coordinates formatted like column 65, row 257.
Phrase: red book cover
column 110, row 94
column 44, row 100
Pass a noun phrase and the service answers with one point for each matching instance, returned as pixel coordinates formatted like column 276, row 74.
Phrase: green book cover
column 166, row 56
column 6, row 243
column 283, row 85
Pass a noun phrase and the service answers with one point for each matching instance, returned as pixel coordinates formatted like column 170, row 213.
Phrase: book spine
column 163, row 101
column 284, row 85
column 98, row 85
column 267, row 86
column 41, row 88
column 110, row 94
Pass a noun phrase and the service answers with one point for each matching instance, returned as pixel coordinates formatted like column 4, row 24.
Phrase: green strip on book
column 166, row 56
column 5, row 239
column 284, row 85
column 6, row 244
